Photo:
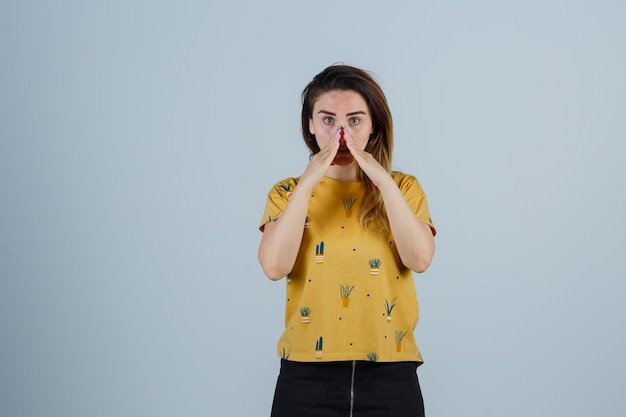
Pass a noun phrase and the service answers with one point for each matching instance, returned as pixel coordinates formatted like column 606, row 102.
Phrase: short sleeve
column 277, row 199
column 414, row 195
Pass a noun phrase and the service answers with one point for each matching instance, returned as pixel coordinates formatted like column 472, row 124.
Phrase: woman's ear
column 311, row 128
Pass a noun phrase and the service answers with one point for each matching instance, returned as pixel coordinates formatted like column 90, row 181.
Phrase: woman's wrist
column 386, row 183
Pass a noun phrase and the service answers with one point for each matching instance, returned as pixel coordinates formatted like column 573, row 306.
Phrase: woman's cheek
column 323, row 139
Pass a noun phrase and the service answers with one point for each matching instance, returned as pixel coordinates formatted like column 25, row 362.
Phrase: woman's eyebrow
column 334, row 114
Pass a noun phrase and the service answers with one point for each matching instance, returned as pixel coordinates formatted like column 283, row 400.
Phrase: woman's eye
column 355, row 121
column 328, row 120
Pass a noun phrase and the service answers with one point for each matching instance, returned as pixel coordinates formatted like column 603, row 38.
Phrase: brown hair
column 380, row 144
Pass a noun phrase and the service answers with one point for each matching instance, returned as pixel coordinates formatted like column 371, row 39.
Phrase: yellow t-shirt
column 349, row 297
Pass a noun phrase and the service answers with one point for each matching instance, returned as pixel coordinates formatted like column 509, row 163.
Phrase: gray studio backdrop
column 138, row 140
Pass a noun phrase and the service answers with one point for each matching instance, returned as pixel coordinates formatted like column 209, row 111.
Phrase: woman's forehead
column 340, row 100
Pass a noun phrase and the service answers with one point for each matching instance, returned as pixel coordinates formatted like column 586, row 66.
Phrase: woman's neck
column 346, row 173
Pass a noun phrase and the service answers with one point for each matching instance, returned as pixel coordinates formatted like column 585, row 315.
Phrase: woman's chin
column 343, row 160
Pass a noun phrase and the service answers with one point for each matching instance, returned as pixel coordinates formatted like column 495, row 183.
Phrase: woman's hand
column 319, row 163
column 372, row 168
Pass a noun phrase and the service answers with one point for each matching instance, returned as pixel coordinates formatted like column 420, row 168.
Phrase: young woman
column 346, row 234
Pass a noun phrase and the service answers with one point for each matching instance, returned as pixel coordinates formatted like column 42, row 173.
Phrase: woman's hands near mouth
column 320, row 162
column 372, row 168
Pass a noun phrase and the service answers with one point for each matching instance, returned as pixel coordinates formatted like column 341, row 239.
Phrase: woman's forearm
column 414, row 239
column 281, row 239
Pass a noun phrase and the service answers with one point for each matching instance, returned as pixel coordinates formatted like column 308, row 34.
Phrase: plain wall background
column 138, row 140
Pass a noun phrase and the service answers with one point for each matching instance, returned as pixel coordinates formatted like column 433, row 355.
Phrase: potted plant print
column 319, row 253
column 319, row 348
column 345, row 291
column 305, row 312
column 375, row 266
column 348, row 203
column 399, row 336
column 389, row 308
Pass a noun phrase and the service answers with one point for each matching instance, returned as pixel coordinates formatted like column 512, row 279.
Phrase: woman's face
column 339, row 108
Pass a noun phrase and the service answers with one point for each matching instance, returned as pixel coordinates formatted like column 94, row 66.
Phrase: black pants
column 347, row 389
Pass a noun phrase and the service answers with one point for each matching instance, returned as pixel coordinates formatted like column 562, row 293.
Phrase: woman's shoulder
column 402, row 177
column 406, row 181
column 286, row 184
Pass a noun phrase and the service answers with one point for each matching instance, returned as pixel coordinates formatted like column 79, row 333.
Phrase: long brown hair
column 380, row 143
